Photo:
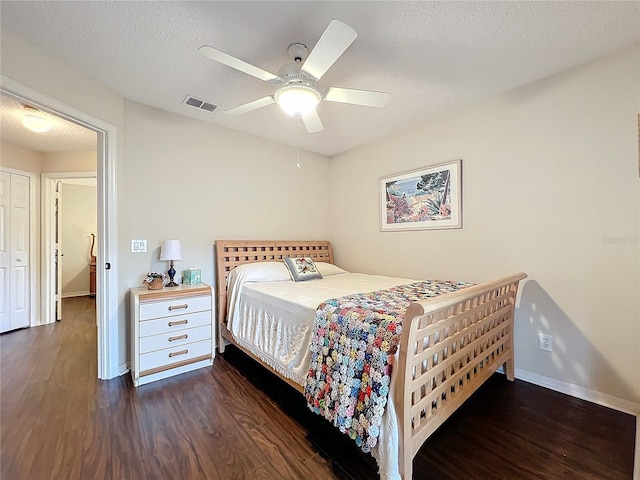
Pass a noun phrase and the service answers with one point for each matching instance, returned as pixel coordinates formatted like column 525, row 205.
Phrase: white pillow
column 260, row 272
column 329, row 269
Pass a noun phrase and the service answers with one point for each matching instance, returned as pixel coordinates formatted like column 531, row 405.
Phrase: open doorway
column 76, row 231
column 71, row 208
column 106, row 243
column 69, row 264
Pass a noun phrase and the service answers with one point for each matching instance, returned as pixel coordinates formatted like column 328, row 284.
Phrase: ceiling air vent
column 209, row 107
column 200, row 104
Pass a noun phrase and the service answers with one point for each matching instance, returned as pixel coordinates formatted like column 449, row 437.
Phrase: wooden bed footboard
column 449, row 346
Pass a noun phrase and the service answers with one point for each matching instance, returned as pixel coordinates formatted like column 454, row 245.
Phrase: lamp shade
column 171, row 250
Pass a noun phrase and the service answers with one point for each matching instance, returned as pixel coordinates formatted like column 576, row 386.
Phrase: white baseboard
column 124, row 368
column 75, row 294
column 578, row 391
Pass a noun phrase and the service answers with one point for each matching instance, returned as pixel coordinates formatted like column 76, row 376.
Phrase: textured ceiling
column 431, row 56
column 64, row 136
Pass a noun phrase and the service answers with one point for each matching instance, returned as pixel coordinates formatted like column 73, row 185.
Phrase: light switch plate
column 138, row 246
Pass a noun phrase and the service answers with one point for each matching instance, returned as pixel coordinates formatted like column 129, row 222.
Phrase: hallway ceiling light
column 34, row 121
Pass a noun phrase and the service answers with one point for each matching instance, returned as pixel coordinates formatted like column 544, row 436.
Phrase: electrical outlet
column 138, row 246
column 545, row 342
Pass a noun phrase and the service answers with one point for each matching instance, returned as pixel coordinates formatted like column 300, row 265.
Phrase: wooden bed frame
column 450, row 344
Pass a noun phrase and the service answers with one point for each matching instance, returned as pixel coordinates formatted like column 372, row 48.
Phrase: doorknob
column 19, row 259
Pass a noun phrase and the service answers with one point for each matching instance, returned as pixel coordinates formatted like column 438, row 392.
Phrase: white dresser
column 172, row 331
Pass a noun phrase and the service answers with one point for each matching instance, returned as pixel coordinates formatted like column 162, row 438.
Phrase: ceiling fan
column 298, row 93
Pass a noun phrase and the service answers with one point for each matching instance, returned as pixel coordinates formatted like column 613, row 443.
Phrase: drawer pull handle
column 178, row 337
column 178, row 307
column 179, row 322
column 181, row 352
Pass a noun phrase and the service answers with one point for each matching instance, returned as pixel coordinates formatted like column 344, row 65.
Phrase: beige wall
column 79, row 161
column 78, row 221
column 20, row 158
column 550, row 187
column 196, row 182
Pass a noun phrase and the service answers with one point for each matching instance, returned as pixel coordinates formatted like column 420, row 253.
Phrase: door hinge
column 107, row 266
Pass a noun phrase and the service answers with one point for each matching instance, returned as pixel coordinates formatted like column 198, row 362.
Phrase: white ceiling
column 431, row 56
column 64, row 136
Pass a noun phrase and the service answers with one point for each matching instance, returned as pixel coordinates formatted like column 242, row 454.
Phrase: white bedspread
column 274, row 320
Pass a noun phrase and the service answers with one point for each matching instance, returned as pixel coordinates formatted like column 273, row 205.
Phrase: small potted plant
column 154, row 280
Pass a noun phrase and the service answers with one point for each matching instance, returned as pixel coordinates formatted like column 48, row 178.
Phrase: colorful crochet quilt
column 353, row 342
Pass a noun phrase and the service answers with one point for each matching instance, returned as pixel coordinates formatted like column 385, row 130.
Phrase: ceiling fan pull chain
column 298, row 164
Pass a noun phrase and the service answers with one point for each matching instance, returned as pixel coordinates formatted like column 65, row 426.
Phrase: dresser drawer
column 174, row 339
column 174, row 324
column 178, row 354
column 176, row 306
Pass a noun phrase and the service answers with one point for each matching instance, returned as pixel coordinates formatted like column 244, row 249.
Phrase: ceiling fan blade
column 334, row 41
column 367, row 98
column 249, row 107
column 312, row 122
column 233, row 62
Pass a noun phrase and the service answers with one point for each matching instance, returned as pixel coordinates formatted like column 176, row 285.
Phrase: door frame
column 106, row 277
column 48, row 181
column 33, row 256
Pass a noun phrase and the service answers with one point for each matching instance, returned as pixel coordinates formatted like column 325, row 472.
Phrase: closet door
column 5, row 254
column 14, row 251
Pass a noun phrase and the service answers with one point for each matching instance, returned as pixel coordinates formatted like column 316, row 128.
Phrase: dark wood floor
column 57, row 421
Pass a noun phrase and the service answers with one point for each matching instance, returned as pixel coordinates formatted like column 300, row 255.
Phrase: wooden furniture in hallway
column 92, row 279
column 92, row 268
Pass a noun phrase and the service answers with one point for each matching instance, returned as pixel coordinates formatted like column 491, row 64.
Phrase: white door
column 14, row 251
column 5, row 254
column 58, row 250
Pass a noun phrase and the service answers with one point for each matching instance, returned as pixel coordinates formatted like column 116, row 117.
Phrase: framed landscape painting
column 427, row 198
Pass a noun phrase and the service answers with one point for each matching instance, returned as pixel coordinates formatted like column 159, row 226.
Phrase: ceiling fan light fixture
column 32, row 120
column 297, row 100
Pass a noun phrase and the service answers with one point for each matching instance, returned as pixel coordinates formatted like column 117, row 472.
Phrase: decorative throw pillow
column 302, row 268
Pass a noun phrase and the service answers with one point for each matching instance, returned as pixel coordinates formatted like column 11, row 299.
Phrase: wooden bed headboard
column 232, row 253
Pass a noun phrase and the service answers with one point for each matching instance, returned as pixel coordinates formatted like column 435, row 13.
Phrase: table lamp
column 171, row 250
